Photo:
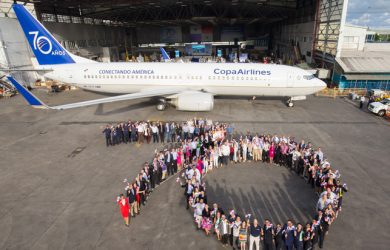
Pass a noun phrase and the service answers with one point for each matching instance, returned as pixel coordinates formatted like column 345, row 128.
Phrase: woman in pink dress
column 179, row 153
column 271, row 153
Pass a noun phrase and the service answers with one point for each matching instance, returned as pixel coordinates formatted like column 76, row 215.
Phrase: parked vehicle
column 380, row 108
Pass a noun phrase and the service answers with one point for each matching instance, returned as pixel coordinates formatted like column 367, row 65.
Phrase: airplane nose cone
column 321, row 84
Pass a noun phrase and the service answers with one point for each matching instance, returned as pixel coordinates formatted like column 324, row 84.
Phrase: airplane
column 187, row 86
column 165, row 55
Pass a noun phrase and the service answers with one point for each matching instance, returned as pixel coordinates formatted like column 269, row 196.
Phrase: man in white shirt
column 140, row 129
column 198, row 211
column 154, row 133
column 225, row 153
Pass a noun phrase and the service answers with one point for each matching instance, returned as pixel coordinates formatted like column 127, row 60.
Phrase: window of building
column 63, row 19
column 48, row 17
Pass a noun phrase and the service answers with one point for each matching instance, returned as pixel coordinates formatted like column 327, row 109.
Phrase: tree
column 376, row 37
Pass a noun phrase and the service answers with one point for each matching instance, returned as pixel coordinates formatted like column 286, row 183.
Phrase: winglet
column 164, row 54
column 30, row 98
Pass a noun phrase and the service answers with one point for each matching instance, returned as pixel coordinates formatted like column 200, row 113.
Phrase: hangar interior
column 280, row 31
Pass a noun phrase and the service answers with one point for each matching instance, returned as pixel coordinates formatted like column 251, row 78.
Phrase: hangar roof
column 365, row 61
column 161, row 12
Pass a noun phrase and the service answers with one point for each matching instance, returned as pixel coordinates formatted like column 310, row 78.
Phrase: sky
column 372, row 13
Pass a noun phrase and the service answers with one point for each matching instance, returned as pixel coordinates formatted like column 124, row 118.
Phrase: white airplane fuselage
column 241, row 79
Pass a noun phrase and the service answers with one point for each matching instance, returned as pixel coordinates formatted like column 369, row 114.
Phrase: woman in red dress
column 137, row 196
column 124, row 206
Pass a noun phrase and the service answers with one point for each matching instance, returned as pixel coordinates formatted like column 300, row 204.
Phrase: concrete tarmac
column 59, row 182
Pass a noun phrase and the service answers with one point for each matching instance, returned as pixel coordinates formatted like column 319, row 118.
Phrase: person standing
column 160, row 127
column 243, row 236
column 225, row 153
column 126, row 132
column 124, row 207
column 236, row 225
column 155, row 133
column 307, row 238
column 107, row 134
column 315, row 230
column 131, row 192
column 299, row 234
column 167, row 132
column 140, row 129
column 267, row 235
column 271, row 153
column 279, row 243
column 289, row 232
column 224, row 230
column 362, row 100
column 254, row 234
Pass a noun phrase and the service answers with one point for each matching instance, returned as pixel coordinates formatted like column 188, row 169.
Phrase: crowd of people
column 156, row 132
column 201, row 146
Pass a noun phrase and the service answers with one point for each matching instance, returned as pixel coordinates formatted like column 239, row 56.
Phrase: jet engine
column 193, row 101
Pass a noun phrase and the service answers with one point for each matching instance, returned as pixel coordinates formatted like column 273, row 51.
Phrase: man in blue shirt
column 288, row 231
column 254, row 234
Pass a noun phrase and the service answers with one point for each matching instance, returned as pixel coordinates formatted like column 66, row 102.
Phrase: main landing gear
column 162, row 104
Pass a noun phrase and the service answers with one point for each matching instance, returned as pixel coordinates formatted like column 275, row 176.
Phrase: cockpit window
column 308, row 77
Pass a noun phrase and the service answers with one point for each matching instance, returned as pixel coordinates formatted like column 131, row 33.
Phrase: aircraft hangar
column 279, row 31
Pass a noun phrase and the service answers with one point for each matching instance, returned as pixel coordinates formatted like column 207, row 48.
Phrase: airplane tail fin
column 30, row 98
column 46, row 48
column 165, row 54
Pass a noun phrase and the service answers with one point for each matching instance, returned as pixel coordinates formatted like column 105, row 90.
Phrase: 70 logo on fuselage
column 44, row 45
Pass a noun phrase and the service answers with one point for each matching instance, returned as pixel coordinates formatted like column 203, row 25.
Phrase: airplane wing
column 25, row 70
column 36, row 103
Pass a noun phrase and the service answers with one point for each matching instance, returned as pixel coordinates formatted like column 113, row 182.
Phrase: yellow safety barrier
column 334, row 92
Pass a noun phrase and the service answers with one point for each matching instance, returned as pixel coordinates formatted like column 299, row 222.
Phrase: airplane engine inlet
column 194, row 101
